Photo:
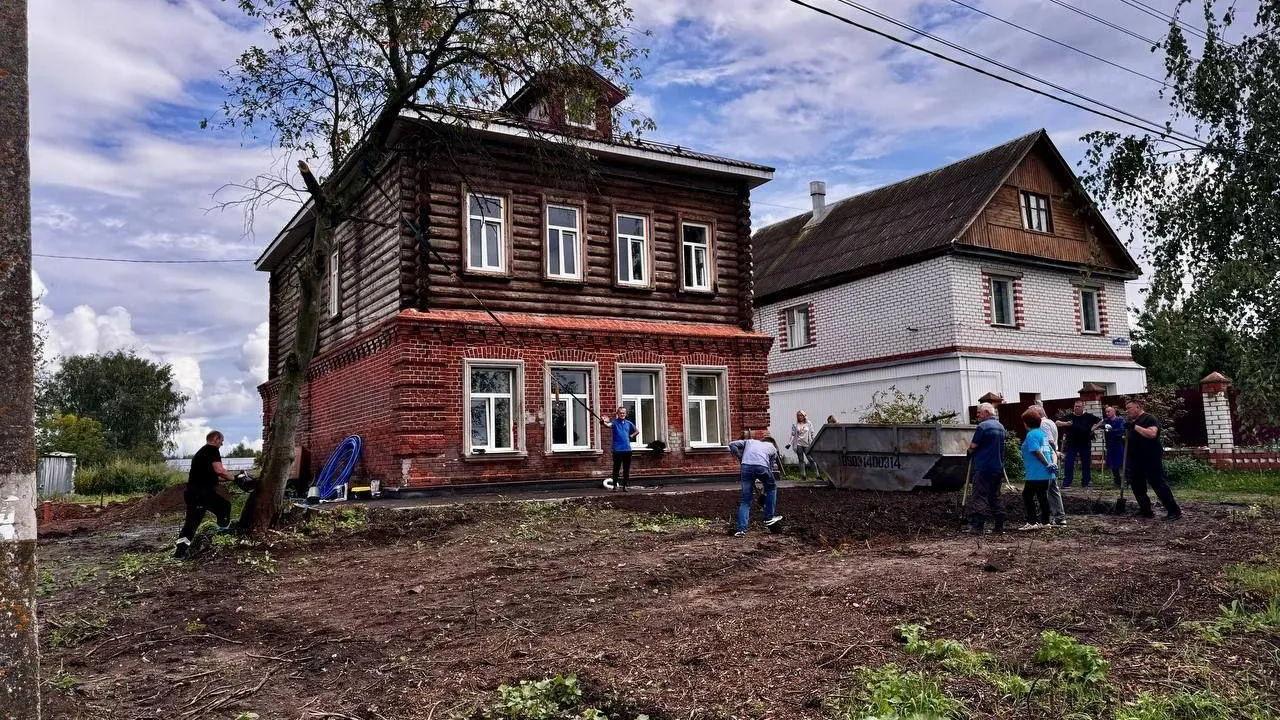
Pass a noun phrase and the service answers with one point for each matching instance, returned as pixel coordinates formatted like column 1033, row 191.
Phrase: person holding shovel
column 1146, row 461
column 624, row 431
column 987, row 471
column 1038, row 461
column 758, row 458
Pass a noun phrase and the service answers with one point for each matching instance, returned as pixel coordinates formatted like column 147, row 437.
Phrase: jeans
column 805, row 459
column 1036, row 491
column 198, row 503
column 1085, row 455
column 1055, row 501
column 622, row 461
column 1143, row 473
column 748, row 476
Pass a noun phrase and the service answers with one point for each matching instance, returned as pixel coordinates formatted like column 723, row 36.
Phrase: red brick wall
column 400, row 387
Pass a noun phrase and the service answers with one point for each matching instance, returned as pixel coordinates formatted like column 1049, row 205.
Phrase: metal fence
column 55, row 474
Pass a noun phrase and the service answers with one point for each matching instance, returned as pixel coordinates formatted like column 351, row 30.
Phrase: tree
column 80, row 436
column 134, row 399
column 894, row 407
column 241, row 451
column 1208, row 211
column 330, row 84
column 1178, row 349
column 19, row 650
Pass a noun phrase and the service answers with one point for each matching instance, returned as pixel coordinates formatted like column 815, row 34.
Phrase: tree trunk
column 19, row 650
column 262, row 508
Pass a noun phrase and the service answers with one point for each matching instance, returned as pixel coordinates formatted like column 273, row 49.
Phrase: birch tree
column 328, row 84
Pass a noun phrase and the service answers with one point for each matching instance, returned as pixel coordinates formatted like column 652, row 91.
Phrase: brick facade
column 401, row 387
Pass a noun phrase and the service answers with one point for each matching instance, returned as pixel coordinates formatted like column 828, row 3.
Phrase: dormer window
column 580, row 110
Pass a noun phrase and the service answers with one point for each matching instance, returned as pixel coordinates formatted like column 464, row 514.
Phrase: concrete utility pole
column 19, row 650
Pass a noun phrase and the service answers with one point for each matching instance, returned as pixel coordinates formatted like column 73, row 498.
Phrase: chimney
column 818, row 193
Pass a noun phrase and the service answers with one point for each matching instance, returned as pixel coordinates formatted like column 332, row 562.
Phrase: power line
column 136, row 260
column 1055, row 41
column 1165, row 17
column 1104, row 21
column 1150, row 124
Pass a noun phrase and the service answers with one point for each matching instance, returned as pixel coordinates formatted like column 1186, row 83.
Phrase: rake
column 1124, row 475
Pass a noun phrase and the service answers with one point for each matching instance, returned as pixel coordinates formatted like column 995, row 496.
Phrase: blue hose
column 330, row 477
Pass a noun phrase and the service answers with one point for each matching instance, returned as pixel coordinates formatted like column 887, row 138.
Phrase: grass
column 891, row 693
column 1260, row 578
column 1260, row 486
column 666, row 522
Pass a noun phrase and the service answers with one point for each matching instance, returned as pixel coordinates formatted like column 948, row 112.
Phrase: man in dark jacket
column 202, row 495
column 987, row 471
column 1079, row 426
column 1146, row 461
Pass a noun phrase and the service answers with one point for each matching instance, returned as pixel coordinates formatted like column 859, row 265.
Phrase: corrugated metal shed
column 55, row 474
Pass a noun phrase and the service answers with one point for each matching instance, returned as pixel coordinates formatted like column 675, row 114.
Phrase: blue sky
column 121, row 169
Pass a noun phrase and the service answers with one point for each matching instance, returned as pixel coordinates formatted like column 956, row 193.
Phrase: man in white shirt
column 758, row 458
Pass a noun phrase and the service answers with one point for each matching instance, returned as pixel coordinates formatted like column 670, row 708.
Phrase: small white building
column 994, row 273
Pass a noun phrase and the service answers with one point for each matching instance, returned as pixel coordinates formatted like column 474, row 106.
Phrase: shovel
column 964, row 496
column 1124, row 475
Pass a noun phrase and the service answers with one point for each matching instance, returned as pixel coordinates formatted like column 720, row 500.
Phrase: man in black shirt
column 1079, row 426
column 202, row 492
column 1146, row 461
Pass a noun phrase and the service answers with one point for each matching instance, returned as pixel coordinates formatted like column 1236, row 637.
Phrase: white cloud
column 253, row 354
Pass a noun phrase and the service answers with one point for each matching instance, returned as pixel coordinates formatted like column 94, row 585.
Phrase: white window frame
column 517, row 407
column 1035, row 211
column 558, row 273
column 991, row 294
column 1081, row 294
column 686, row 264
column 659, row 400
column 793, row 325
column 572, row 98
column 722, row 387
column 631, row 240
column 500, row 263
column 593, row 397
column 335, row 281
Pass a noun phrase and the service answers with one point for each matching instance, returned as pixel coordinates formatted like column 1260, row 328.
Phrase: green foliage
column 1259, row 579
column 958, row 658
column 1191, row 705
column 263, row 563
column 241, row 451
column 1206, row 212
column 1013, row 465
column 1237, row 618
column 62, row 682
column 556, row 698
column 132, row 566
column 45, row 583
column 666, row 522
column 74, row 630
column 1184, row 470
column 891, row 693
column 124, row 477
column 80, row 436
column 1254, row 482
column 892, row 406
column 1077, row 663
column 134, row 399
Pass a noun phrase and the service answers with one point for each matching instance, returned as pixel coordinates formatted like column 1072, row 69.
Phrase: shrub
column 1183, row 470
column 123, row 477
column 1013, row 466
column 890, row 692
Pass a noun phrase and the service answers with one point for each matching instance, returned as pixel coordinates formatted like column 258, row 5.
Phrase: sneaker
column 1060, row 522
column 1031, row 526
column 740, row 533
column 181, row 550
column 773, row 521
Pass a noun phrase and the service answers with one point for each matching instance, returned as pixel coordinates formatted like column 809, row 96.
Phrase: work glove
column 1053, row 469
column 788, row 447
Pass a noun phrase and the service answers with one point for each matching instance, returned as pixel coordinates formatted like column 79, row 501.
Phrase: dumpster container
column 859, row 456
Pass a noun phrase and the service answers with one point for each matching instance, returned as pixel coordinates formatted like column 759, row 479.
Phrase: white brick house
column 991, row 274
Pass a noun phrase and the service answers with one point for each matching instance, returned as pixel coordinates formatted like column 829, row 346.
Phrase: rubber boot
column 976, row 523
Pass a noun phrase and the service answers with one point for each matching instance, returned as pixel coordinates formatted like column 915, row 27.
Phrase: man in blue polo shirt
column 987, row 472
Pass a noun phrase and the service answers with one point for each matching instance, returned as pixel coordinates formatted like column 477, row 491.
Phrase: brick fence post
column 1217, row 419
column 1092, row 396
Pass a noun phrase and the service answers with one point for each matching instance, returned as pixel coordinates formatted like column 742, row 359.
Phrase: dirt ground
column 646, row 597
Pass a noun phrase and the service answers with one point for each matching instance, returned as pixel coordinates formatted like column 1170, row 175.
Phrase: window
column 570, row 402
column 704, row 405
column 1035, row 212
column 1002, row 301
column 562, row 243
column 335, row 282
column 641, row 390
column 697, row 257
column 1089, row 311
column 580, row 110
column 798, row 326
column 485, row 237
column 493, row 408
column 633, row 250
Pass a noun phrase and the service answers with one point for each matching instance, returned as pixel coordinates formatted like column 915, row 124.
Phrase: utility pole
column 19, row 649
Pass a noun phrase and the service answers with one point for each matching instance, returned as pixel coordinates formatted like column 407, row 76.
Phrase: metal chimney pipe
column 818, row 193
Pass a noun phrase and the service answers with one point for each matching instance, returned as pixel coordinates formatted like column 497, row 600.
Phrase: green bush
column 1183, row 470
column 1013, row 466
column 123, row 477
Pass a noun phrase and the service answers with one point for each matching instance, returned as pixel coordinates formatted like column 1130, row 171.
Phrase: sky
column 122, row 169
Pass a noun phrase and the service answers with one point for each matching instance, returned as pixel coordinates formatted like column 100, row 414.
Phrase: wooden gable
column 1078, row 234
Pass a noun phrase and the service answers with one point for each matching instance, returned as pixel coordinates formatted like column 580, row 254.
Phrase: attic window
column 1035, row 212
column 580, row 109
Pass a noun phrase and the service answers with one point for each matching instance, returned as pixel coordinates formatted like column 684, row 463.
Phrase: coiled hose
column 330, row 477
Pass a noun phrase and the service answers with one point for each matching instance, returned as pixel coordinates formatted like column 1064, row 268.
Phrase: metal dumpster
column 893, row 457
